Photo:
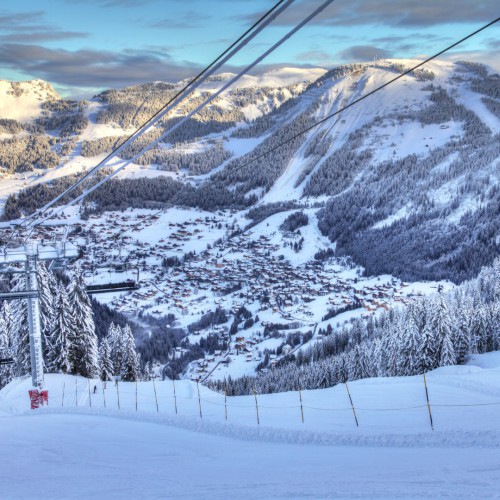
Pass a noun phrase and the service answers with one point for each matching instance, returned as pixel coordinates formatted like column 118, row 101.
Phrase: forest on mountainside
column 440, row 330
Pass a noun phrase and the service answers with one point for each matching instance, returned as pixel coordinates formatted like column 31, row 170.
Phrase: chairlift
column 6, row 357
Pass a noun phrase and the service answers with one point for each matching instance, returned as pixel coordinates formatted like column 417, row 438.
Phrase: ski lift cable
column 216, row 64
column 401, row 75
column 323, row 120
column 178, row 124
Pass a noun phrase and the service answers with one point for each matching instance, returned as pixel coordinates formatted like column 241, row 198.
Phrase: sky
column 84, row 46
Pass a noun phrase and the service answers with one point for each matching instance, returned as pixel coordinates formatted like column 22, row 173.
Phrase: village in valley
column 276, row 293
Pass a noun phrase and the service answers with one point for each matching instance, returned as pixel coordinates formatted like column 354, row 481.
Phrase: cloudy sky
column 82, row 46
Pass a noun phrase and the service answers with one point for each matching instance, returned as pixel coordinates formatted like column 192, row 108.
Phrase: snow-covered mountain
column 22, row 101
column 298, row 270
column 416, row 161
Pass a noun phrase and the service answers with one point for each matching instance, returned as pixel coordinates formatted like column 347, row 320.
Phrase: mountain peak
column 22, row 100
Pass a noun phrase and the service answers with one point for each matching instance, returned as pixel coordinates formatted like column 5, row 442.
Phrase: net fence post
column 175, row 397
column 256, row 406
column 156, row 396
column 301, row 405
column 199, row 398
column 352, row 405
column 428, row 402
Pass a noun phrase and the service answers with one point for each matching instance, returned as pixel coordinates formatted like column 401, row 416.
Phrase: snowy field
column 92, row 451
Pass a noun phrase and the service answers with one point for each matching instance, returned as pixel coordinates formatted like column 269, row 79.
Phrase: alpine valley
column 255, row 246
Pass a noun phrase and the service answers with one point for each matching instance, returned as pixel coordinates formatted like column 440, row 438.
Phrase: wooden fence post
column 352, row 405
column 428, row 403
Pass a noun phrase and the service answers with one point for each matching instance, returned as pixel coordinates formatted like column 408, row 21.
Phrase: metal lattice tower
column 34, row 318
column 29, row 255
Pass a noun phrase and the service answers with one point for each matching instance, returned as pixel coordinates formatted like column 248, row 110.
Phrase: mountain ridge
column 419, row 157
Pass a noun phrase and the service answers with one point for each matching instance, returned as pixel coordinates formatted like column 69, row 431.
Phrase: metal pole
column 199, row 399
column 156, row 399
column 90, row 397
column 35, row 336
column 301, row 406
column 428, row 403
column 136, row 395
column 256, row 406
column 118, row 395
column 76, row 392
column 175, row 397
column 104, row 394
column 225, row 403
column 62, row 401
column 352, row 405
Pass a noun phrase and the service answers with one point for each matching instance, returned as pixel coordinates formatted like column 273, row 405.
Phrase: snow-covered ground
column 82, row 452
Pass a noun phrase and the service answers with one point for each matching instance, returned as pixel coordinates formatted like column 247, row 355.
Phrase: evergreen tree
column 411, row 353
column 429, row 349
column 4, row 344
column 130, row 364
column 59, row 356
column 46, row 303
column 105, row 363
column 115, row 336
column 448, row 356
column 21, row 340
column 439, row 320
column 463, row 332
column 84, row 350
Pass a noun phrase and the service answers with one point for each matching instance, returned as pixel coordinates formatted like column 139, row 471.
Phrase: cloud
column 91, row 68
column 29, row 27
column 188, row 20
column 400, row 13
column 363, row 53
column 314, row 55
column 42, row 36
column 115, row 3
column 486, row 57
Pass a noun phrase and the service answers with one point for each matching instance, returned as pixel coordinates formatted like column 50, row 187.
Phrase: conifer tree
column 84, row 349
column 439, row 320
column 411, row 353
column 21, row 340
column 105, row 363
column 59, row 356
column 115, row 336
column 46, row 303
column 130, row 364
column 6, row 341
column 463, row 332
column 448, row 356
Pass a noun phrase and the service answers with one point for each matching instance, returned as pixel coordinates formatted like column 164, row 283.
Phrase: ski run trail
column 88, row 447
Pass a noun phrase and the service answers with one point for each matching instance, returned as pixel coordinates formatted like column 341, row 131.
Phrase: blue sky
column 83, row 46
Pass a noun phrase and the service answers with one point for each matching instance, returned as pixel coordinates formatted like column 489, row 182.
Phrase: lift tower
column 29, row 255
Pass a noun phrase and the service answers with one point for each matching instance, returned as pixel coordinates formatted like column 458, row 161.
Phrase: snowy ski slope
column 82, row 452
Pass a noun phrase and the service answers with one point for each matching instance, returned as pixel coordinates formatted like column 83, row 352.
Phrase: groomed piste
column 154, row 452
